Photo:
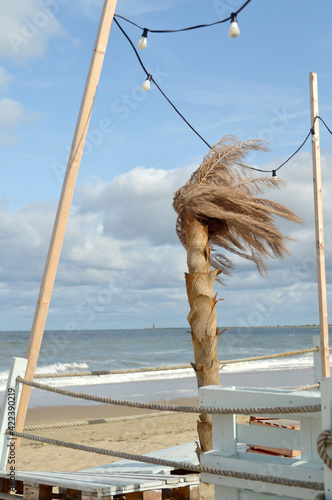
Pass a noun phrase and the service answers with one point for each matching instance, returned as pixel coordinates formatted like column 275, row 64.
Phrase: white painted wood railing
column 227, row 434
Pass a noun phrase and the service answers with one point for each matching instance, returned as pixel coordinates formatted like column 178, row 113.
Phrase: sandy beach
column 136, row 436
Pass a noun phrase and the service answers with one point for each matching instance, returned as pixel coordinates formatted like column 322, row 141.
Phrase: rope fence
column 174, row 367
column 177, row 465
column 177, row 408
column 81, row 423
column 324, row 440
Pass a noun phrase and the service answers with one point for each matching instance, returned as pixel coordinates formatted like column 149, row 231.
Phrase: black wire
column 186, row 121
column 190, row 27
column 321, row 119
column 152, row 79
column 132, row 45
column 178, row 112
column 286, row 161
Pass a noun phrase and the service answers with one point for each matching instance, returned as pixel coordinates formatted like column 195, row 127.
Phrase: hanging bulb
column 274, row 176
column 314, row 136
column 233, row 30
column 142, row 42
column 147, row 84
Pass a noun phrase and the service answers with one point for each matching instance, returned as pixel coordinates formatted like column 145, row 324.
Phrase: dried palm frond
column 222, row 195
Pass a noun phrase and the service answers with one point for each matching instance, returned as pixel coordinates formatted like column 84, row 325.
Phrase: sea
column 65, row 351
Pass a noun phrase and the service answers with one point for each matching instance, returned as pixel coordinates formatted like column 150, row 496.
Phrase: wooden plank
column 275, row 490
column 326, row 390
column 310, row 430
column 73, row 494
column 167, row 478
column 41, row 492
column 105, row 484
column 255, row 495
column 9, row 412
column 7, row 496
column 145, row 495
column 280, row 467
column 319, row 230
column 224, row 432
column 242, row 397
column 269, row 436
column 5, row 485
column 226, row 493
column 186, row 492
column 317, row 359
column 65, row 201
column 181, row 453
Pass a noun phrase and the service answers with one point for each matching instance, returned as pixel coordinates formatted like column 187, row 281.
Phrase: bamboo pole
column 64, row 205
column 320, row 256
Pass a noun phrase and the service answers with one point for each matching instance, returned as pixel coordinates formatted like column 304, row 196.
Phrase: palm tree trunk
column 202, row 317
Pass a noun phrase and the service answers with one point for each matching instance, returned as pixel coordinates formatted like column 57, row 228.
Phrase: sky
column 122, row 265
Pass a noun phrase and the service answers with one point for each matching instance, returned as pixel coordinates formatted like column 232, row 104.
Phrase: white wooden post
column 317, row 360
column 9, row 410
column 326, row 397
column 320, row 256
column 64, row 205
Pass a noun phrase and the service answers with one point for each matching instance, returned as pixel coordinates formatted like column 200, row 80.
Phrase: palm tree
column 218, row 208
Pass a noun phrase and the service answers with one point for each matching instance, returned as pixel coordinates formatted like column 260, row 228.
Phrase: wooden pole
column 317, row 180
column 65, row 201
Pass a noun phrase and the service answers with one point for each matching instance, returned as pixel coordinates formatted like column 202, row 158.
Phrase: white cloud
column 144, row 7
column 26, row 28
column 121, row 261
column 5, row 79
column 91, row 8
column 138, row 204
column 12, row 116
column 11, row 113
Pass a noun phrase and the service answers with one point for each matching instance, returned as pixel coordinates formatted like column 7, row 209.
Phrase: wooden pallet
column 124, row 479
column 280, row 424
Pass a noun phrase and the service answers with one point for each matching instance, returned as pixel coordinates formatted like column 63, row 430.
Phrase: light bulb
column 147, row 84
column 314, row 137
column 233, row 30
column 143, row 42
column 274, row 176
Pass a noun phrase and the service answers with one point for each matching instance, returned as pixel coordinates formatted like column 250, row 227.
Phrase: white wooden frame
column 227, row 434
column 11, row 399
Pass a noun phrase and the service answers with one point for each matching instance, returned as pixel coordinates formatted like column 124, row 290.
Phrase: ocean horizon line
column 161, row 328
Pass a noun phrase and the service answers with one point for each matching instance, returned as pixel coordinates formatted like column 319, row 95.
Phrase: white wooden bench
column 226, row 435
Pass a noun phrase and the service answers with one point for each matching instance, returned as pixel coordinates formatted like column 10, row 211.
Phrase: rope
column 307, row 387
column 270, row 356
column 174, row 367
column 173, row 464
column 181, row 409
column 81, row 423
column 113, row 372
column 323, row 441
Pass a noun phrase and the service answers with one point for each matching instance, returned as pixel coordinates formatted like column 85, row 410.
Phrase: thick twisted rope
column 168, row 368
column 81, row 423
column 181, row 409
column 173, row 464
column 307, row 387
column 323, row 441
column 121, row 371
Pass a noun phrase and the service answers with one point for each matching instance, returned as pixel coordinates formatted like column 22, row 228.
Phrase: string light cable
column 233, row 29
column 149, row 78
column 146, row 86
